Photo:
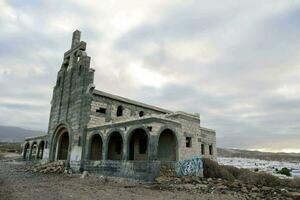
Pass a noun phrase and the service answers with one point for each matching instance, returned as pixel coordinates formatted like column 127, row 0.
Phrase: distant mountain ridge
column 280, row 156
column 16, row 134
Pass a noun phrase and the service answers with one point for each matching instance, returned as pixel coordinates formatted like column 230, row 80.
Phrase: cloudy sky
column 235, row 62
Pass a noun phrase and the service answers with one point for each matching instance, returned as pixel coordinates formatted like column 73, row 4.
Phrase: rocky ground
column 22, row 181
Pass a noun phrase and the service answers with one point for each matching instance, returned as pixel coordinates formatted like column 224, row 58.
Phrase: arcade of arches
column 34, row 151
column 137, row 146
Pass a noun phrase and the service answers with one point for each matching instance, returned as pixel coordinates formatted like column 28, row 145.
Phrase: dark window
column 202, row 149
column 188, row 141
column 101, row 110
column 149, row 128
column 119, row 111
column 210, row 150
column 141, row 114
column 79, row 141
column 143, row 146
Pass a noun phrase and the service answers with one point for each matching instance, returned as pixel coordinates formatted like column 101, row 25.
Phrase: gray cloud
column 237, row 64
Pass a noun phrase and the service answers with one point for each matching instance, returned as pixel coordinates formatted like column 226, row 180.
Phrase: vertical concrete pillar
column 104, row 148
column 125, row 153
column 153, row 141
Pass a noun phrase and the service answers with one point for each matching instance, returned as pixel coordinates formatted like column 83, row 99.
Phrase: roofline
column 142, row 119
column 130, row 101
column 188, row 115
column 35, row 137
column 208, row 129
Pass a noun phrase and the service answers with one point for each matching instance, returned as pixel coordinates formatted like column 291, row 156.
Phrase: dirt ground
column 16, row 183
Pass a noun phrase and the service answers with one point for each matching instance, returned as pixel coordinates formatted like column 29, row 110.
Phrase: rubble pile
column 167, row 171
column 209, row 185
column 53, row 167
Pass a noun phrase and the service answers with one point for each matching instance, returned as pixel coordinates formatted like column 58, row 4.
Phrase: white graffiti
column 189, row 167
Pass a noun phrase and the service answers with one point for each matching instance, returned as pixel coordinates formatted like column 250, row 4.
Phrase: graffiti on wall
column 190, row 167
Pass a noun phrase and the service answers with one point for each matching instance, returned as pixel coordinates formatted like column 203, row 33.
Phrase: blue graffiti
column 189, row 167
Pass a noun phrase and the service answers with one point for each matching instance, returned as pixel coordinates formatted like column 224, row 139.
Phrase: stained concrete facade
column 97, row 131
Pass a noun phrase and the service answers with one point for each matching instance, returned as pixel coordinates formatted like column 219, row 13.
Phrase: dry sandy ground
column 16, row 184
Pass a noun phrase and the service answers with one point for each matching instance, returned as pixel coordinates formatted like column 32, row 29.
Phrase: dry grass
column 213, row 170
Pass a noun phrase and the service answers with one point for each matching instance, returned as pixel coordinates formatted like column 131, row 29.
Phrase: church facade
column 97, row 131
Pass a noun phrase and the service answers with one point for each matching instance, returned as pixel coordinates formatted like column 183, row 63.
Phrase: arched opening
column 26, row 149
column 119, row 111
column 115, row 147
column 96, row 147
column 33, row 151
column 41, row 150
column 138, row 145
column 167, row 145
column 141, row 113
column 63, row 146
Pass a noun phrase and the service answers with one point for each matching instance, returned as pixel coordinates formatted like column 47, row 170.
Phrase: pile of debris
column 167, row 170
column 53, row 167
column 193, row 184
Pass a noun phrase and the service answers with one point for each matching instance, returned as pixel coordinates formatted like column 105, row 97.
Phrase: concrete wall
column 70, row 103
column 130, row 111
column 208, row 137
column 34, row 148
column 199, row 135
column 144, row 170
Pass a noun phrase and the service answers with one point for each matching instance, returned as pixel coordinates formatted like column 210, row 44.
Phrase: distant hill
column 289, row 157
column 16, row 134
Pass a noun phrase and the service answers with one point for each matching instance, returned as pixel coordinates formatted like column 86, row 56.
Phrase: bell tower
column 70, row 99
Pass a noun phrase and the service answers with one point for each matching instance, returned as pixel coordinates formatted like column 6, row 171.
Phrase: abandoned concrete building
column 100, row 132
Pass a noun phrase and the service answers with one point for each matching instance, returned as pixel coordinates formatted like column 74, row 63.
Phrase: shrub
column 293, row 183
column 213, row 170
column 285, row 171
column 233, row 170
column 267, row 180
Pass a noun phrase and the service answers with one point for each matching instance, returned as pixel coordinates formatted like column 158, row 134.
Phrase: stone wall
column 130, row 111
column 144, row 170
column 70, row 103
column 197, row 135
column 208, row 138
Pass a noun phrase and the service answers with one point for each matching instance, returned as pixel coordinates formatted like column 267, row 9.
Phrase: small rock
column 294, row 195
column 160, row 179
column 283, row 190
column 188, row 186
column 244, row 189
column 201, row 186
column 266, row 189
column 84, row 174
column 254, row 189
column 221, row 187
